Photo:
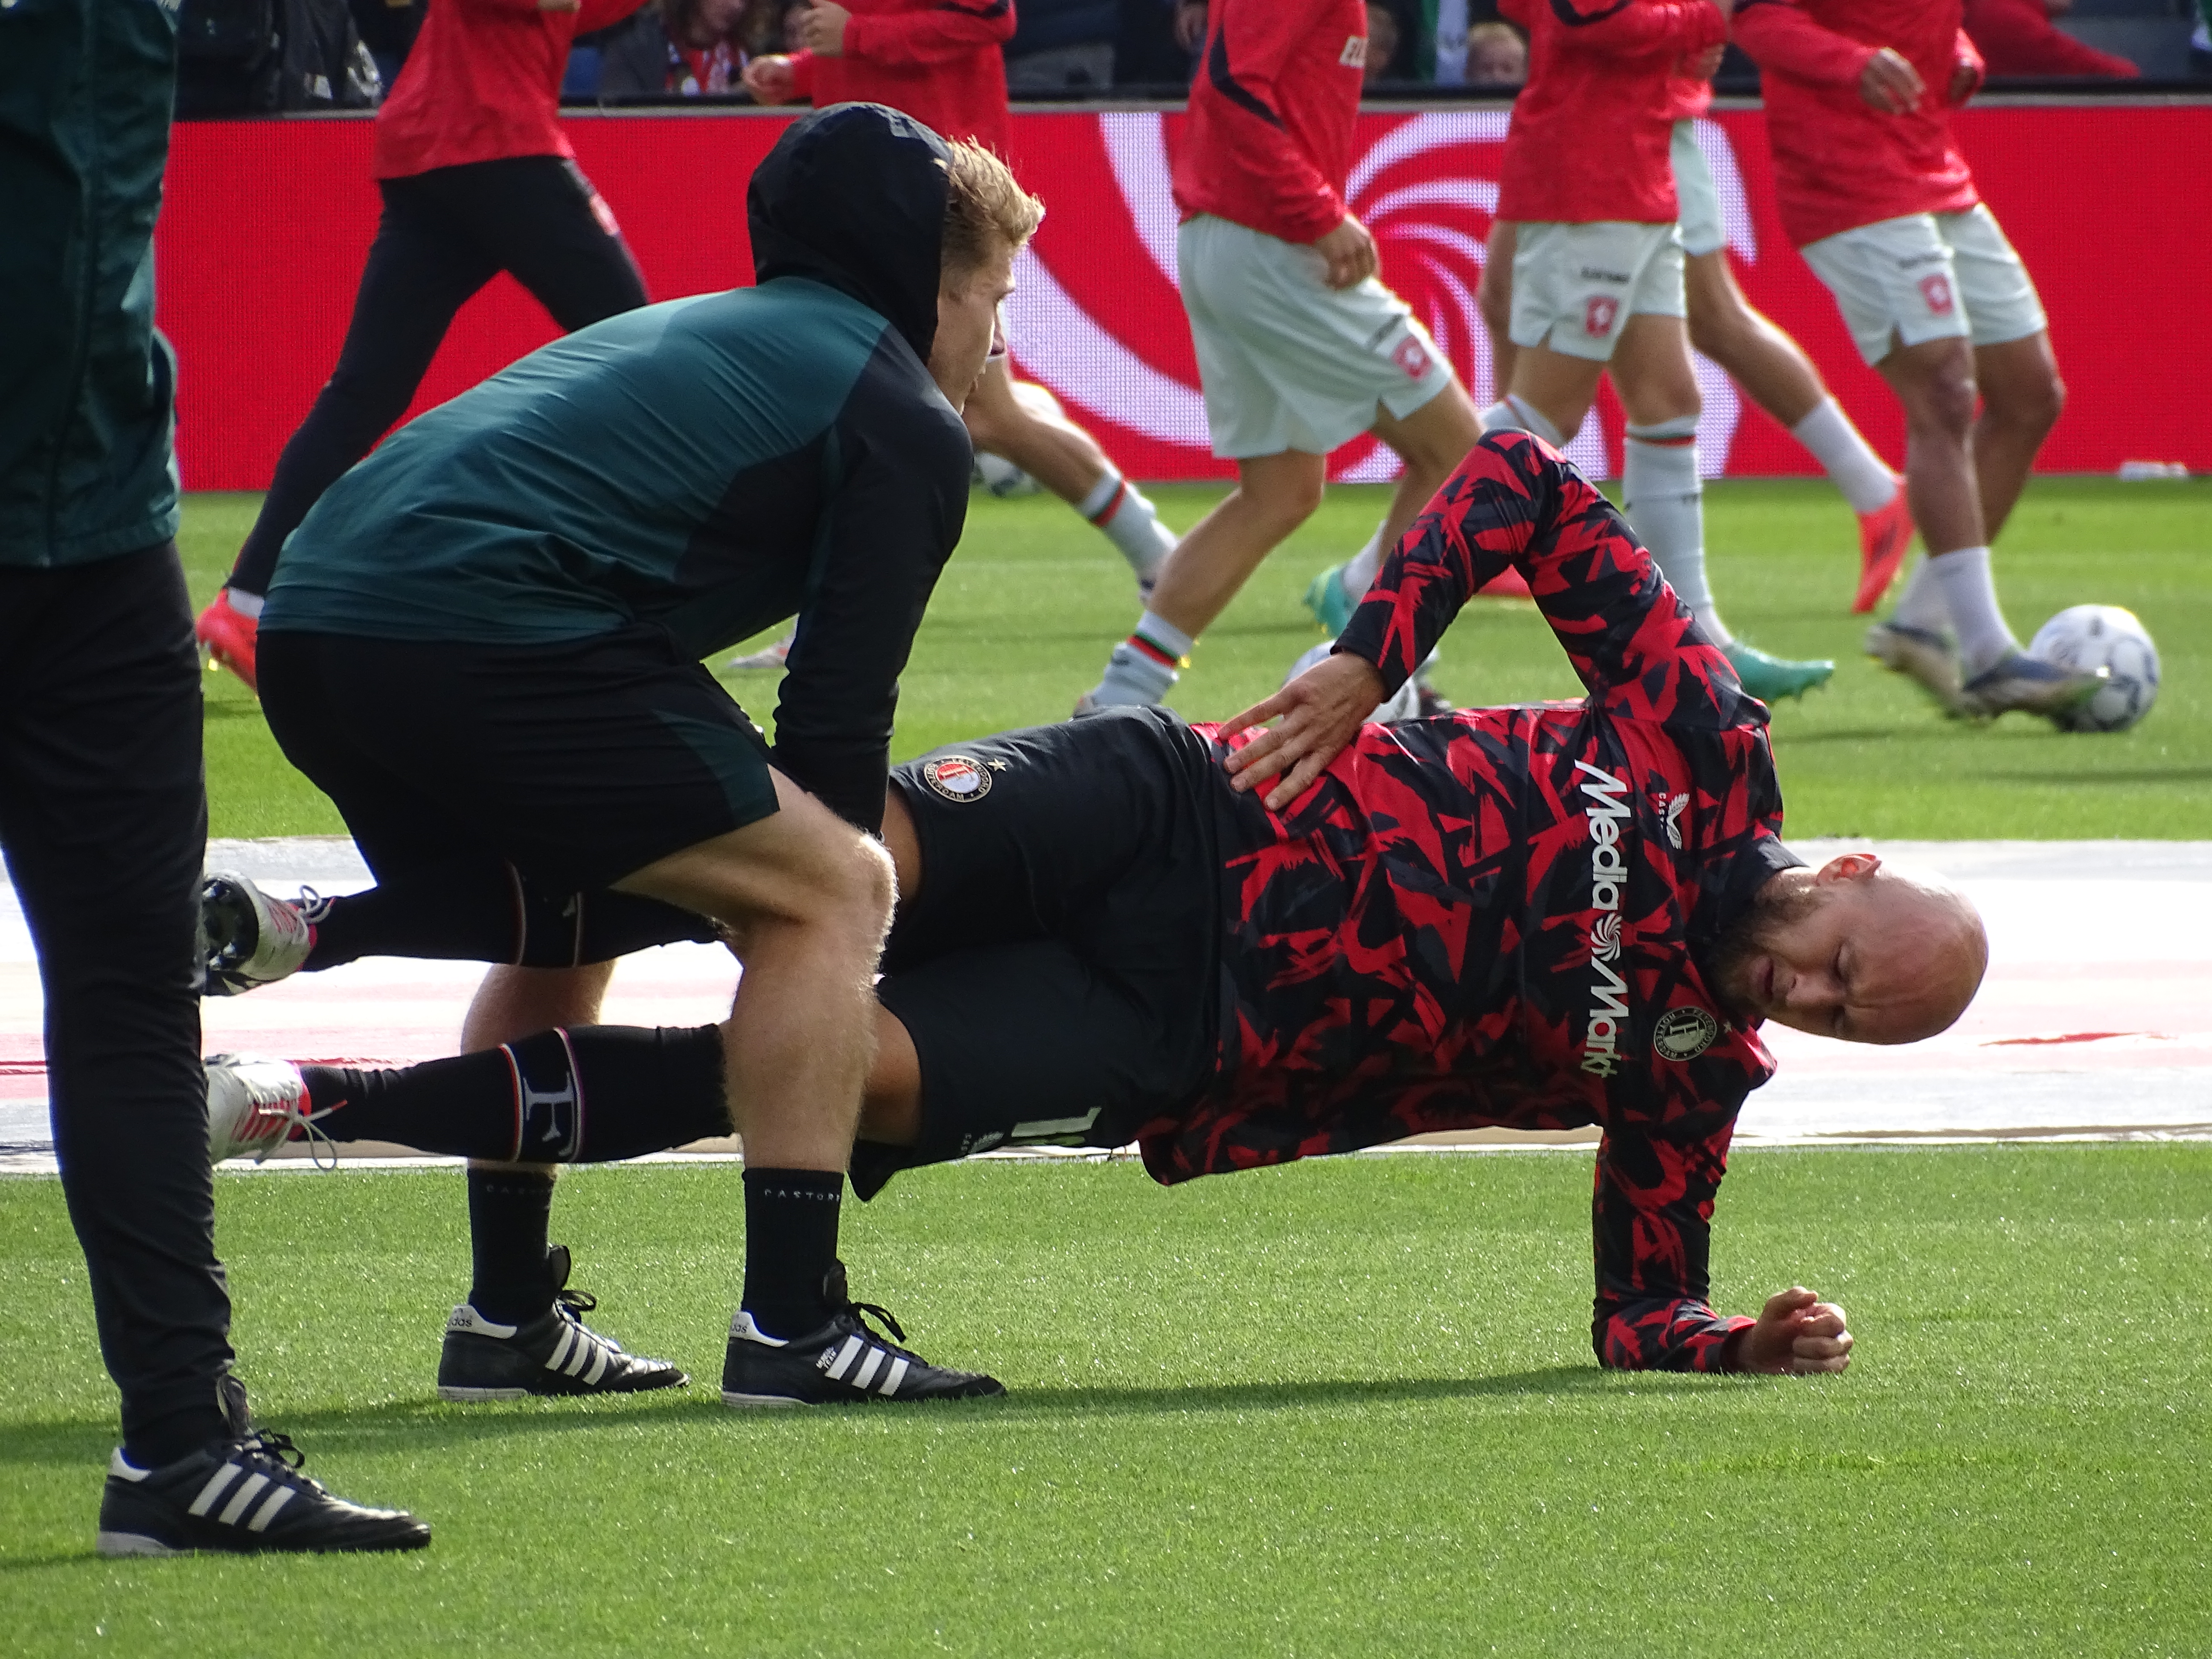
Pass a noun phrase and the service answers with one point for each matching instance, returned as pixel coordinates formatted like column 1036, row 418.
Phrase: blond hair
column 986, row 210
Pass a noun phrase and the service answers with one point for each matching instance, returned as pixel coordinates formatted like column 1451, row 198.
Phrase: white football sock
column 1971, row 598
column 1512, row 414
column 1358, row 573
column 1131, row 523
column 245, row 603
column 1866, row 482
column 1142, row 666
column 1665, row 504
column 1921, row 605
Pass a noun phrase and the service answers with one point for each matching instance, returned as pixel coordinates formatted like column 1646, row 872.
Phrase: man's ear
column 1847, row 866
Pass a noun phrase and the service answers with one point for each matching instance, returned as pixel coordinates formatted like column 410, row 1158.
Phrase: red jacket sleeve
column 1777, row 35
column 1246, row 54
column 1651, row 1221
column 1964, row 56
column 802, row 76
column 1516, row 502
column 950, row 28
column 1627, row 27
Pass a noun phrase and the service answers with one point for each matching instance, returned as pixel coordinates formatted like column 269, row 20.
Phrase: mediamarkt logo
column 1608, row 1014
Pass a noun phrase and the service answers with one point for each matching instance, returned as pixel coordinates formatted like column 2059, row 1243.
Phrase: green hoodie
column 86, row 469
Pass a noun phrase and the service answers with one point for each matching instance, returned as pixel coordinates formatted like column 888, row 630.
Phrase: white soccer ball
column 2088, row 636
column 1404, row 706
column 1002, row 477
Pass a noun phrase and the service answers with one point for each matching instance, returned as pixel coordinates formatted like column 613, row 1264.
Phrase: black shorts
column 1058, row 971
column 577, row 763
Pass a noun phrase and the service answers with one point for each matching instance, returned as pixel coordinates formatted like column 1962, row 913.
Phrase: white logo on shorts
column 1684, row 1033
column 1936, row 290
column 958, row 777
column 1598, row 314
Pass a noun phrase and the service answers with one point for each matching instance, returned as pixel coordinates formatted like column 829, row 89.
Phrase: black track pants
column 444, row 235
column 104, row 823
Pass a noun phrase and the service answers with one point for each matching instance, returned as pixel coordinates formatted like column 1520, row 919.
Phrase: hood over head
column 853, row 196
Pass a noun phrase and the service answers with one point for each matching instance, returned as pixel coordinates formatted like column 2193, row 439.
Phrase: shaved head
column 1857, row 949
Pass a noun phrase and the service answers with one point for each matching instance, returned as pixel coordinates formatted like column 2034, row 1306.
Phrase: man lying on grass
column 1538, row 917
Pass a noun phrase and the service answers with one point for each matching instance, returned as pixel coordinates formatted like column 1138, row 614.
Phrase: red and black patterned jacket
column 1503, row 916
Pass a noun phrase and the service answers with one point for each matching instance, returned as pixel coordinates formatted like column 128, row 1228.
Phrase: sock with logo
column 791, row 1245
column 1131, row 523
column 1512, row 414
column 1664, row 502
column 509, row 1211
column 1144, row 665
column 1970, row 597
column 587, row 1095
column 1866, row 482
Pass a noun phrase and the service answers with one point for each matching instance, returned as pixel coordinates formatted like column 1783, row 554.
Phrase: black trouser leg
column 104, row 821
column 445, row 234
column 418, row 274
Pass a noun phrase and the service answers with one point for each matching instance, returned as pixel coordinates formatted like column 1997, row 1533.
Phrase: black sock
column 791, row 1245
column 177, row 1434
column 509, row 1211
column 489, row 913
column 587, row 1095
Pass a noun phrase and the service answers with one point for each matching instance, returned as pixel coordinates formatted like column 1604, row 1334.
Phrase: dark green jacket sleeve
column 898, row 500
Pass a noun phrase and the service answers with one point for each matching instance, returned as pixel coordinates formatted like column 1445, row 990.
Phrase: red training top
column 936, row 60
column 1269, row 142
column 1590, row 130
column 2017, row 37
column 1838, row 162
column 482, row 82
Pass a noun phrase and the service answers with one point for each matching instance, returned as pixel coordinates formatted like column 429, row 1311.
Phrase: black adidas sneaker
column 554, row 1353
column 243, row 1494
column 843, row 1361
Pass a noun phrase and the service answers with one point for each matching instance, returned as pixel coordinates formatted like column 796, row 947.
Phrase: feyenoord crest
column 958, row 777
column 1684, row 1033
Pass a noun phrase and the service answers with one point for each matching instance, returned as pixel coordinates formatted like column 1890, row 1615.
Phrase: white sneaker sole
column 750, row 1401
column 460, row 1396
column 133, row 1543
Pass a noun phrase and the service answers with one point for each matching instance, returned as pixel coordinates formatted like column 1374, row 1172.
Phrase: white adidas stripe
column 869, row 1367
column 894, row 1377
column 561, row 1348
column 600, row 1352
column 267, row 1512
column 836, row 1368
column 247, row 1493
column 216, row 1484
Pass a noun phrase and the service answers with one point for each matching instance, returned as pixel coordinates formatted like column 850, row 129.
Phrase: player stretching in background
column 1300, row 349
column 476, row 178
column 938, row 61
column 1749, row 347
column 1597, row 275
column 1881, row 203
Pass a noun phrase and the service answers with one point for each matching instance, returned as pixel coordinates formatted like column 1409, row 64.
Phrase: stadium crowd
column 1574, row 916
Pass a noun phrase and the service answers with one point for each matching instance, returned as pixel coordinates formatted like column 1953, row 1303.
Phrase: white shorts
column 1574, row 287
column 1927, row 277
column 1287, row 362
column 1698, row 209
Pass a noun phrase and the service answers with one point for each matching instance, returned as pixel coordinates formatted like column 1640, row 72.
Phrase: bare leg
column 1935, row 381
column 1559, row 387
column 1493, row 297
column 1431, row 441
column 2021, row 397
column 1051, row 448
column 812, row 898
column 1757, row 355
column 1274, row 495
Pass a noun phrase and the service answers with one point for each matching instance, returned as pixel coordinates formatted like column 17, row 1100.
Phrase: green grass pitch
column 1340, row 1409
column 1034, row 598
column 1344, row 1408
